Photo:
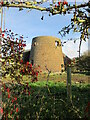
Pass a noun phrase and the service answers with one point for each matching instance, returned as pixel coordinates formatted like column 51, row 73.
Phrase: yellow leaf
column 28, row 3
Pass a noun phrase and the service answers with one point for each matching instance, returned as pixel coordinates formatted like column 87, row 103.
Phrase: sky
column 29, row 24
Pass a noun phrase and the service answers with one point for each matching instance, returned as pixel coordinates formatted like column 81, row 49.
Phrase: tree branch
column 72, row 7
column 50, row 9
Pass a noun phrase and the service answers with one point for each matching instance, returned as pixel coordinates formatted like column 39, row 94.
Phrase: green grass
column 47, row 102
column 55, row 78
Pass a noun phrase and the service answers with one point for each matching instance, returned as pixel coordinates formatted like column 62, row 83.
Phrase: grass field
column 47, row 102
column 63, row 77
column 76, row 78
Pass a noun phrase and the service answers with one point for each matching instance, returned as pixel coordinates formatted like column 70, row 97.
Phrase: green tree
column 83, row 63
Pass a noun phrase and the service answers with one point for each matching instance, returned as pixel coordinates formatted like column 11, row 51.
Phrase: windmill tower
column 46, row 51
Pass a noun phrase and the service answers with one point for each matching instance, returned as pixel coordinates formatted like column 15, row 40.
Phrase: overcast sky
column 30, row 25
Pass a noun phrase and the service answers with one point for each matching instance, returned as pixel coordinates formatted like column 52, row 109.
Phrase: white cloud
column 28, row 46
column 70, row 48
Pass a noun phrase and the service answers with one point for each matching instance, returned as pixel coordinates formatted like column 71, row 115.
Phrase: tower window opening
column 34, row 43
column 56, row 43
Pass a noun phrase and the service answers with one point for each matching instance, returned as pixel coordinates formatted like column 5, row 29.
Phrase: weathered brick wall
column 44, row 52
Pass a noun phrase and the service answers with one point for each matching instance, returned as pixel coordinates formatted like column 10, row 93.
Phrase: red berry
column 16, row 109
column 2, row 3
column 21, row 61
column 8, row 90
column 23, row 70
column 15, row 98
column 24, row 45
column 8, row 95
column 27, row 63
column 30, row 65
column 55, row 6
column 36, row 73
column 59, row 3
column 12, row 100
column 66, row 3
column 2, row 34
column 1, row 110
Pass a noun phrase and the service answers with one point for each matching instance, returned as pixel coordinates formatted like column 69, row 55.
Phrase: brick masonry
column 47, row 51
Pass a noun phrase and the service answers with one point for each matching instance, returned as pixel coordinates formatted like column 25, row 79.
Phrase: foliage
column 79, row 22
column 82, row 64
column 12, row 54
column 12, row 47
column 39, row 101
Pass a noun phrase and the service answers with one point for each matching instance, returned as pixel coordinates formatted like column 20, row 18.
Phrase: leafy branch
column 57, row 9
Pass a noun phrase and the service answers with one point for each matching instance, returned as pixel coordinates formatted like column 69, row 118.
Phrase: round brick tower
column 47, row 51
